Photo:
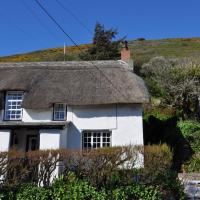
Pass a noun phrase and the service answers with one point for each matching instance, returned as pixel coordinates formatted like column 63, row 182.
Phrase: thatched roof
column 73, row 83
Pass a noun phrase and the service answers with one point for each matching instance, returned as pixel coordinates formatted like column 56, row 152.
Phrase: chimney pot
column 126, row 55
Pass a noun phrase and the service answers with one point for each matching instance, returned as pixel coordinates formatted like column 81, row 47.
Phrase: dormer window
column 60, row 112
column 13, row 109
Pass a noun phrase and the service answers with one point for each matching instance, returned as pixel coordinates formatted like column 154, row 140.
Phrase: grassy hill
column 52, row 54
column 142, row 51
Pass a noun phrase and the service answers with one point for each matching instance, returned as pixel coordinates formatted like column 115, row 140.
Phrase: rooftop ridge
column 65, row 65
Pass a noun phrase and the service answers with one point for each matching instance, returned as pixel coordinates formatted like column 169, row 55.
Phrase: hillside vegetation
column 52, row 54
column 142, row 51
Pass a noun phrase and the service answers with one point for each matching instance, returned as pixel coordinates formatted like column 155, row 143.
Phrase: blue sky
column 24, row 27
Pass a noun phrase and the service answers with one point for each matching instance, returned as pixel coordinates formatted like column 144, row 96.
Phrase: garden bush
column 191, row 131
column 107, row 173
column 33, row 192
column 135, row 192
column 157, row 158
column 42, row 165
column 39, row 166
column 176, row 82
column 73, row 188
column 96, row 166
column 193, row 165
column 13, row 166
column 76, row 189
column 171, row 186
column 188, row 127
column 7, row 194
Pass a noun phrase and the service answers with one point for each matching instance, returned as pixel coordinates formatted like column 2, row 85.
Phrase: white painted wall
column 30, row 115
column 53, row 139
column 50, row 138
column 125, row 122
column 4, row 143
column 5, row 140
column 94, row 117
column 129, row 126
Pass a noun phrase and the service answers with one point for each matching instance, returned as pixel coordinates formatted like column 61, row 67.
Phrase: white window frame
column 94, row 142
column 13, row 106
column 54, row 112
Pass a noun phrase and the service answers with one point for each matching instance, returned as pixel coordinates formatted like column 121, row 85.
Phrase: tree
column 103, row 46
column 176, row 82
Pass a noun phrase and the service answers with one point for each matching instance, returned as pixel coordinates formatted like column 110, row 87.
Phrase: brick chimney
column 126, row 55
column 125, row 52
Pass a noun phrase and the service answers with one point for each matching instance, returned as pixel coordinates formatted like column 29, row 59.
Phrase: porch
column 24, row 139
column 32, row 136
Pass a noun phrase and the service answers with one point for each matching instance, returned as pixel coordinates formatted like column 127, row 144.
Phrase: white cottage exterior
column 72, row 105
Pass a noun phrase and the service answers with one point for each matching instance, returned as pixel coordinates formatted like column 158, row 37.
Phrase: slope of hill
column 52, row 54
column 142, row 51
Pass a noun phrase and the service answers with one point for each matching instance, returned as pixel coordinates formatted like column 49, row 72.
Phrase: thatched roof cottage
column 78, row 104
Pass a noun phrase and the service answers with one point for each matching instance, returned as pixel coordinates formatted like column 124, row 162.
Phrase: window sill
column 12, row 120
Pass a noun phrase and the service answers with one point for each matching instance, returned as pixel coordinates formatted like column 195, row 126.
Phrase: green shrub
column 170, row 184
column 157, row 158
column 194, row 141
column 154, row 88
column 117, row 194
column 188, row 127
column 71, row 188
column 33, row 192
column 103, row 174
column 75, row 189
column 193, row 165
column 143, row 192
column 125, row 177
column 191, row 132
column 160, row 113
column 135, row 192
column 7, row 194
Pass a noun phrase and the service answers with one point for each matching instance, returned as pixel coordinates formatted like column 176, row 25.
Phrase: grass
column 142, row 51
column 53, row 54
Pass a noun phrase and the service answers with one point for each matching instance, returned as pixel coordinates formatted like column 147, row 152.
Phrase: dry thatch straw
column 73, row 83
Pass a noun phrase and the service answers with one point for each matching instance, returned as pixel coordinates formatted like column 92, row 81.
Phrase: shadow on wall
column 158, row 131
column 39, row 115
column 74, row 137
column 121, row 111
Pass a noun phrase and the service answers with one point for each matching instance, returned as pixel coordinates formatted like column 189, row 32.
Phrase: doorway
column 24, row 139
column 32, row 143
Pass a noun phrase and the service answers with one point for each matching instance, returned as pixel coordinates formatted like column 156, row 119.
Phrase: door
column 32, row 143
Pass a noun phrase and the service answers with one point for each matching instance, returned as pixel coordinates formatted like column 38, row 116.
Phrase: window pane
column 13, row 110
column 96, row 139
column 59, row 112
